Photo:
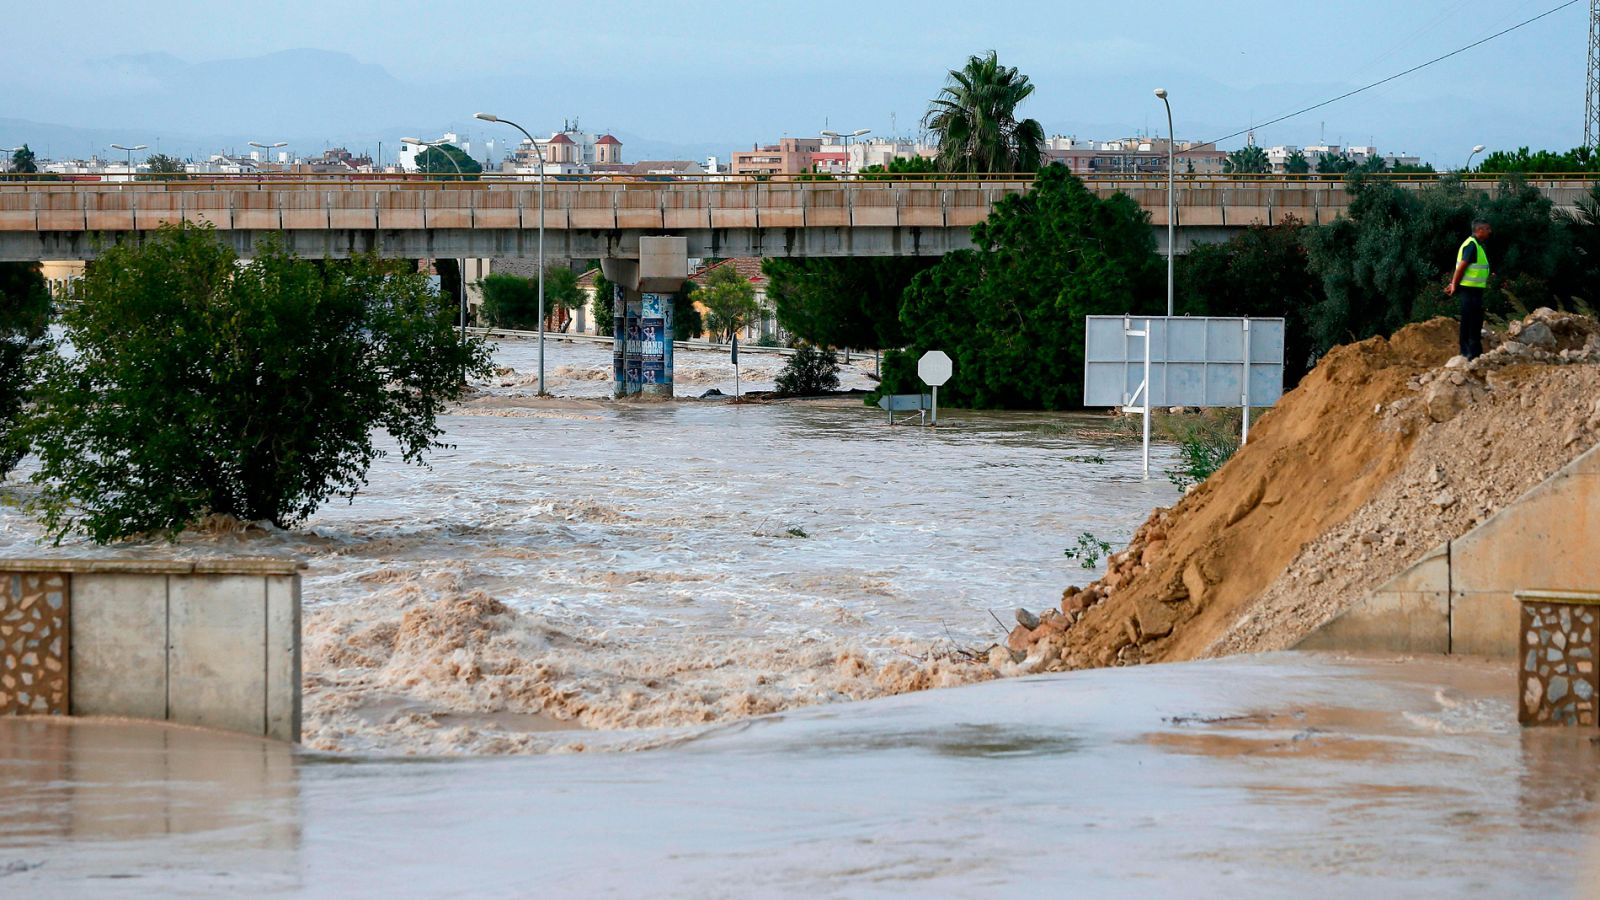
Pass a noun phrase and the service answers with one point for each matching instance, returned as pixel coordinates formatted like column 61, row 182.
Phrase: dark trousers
column 1471, row 321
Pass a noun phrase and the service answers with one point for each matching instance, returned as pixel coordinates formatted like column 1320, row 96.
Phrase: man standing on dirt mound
column 1471, row 277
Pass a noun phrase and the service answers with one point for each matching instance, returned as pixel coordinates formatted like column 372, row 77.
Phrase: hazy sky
column 725, row 75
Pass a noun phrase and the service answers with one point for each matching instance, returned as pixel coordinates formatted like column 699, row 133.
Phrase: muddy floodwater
column 575, row 573
column 1270, row 776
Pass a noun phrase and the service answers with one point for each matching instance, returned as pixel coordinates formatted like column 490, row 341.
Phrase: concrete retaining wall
column 1461, row 598
column 213, row 643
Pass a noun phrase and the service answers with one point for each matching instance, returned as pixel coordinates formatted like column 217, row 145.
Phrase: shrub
column 810, row 371
column 1205, row 442
column 201, row 385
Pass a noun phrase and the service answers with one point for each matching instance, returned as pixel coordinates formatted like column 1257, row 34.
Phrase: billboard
column 1194, row 360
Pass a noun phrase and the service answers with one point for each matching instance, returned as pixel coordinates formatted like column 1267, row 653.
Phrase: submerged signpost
column 1142, row 362
column 934, row 368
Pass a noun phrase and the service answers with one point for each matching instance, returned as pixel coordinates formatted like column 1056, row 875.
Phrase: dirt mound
column 1386, row 449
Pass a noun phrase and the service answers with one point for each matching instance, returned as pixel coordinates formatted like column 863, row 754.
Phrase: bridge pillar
column 641, row 355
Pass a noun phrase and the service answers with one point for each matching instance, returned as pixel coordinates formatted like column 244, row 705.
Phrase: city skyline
column 692, row 82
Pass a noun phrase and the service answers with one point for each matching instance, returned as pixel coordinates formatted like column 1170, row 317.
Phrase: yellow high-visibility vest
column 1477, row 274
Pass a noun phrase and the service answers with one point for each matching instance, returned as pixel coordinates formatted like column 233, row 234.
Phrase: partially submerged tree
column 729, row 300
column 200, row 384
column 810, row 371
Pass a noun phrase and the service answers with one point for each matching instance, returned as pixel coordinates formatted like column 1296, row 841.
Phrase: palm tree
column 975, row 120
column 1251, row 160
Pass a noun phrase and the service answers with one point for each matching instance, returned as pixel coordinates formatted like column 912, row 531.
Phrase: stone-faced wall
column 34, row 643
column 1561, row 644
column 214, row 643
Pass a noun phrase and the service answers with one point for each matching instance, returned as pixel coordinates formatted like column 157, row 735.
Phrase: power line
column 1402, row 74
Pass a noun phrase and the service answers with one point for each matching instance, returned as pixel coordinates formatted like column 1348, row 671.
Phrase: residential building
column 1133, row 156
column 790, row 156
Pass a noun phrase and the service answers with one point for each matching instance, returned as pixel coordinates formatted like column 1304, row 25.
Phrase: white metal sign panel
column 934, row 368
column 1194, row 360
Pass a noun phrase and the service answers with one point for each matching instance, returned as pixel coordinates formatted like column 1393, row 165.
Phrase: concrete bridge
column 498, row 216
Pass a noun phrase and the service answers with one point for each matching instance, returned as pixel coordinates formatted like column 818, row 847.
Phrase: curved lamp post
column 1475, row 151
column 130, row 155
column 490, row 117
column 1171, row 197
column 264, row 147
column 461, row 266
column 846, row 137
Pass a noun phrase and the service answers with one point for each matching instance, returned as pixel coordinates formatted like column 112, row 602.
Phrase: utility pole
column 1591, row 113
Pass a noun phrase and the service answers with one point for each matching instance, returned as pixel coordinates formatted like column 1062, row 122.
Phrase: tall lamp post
column 1172, row 212
column 846, row 137
column 265, row 147
column 1475, row 151
column 130, row 155
column 490, row 117
column 434, row 144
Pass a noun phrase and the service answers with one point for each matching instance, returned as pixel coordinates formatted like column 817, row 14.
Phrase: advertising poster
column 652, row 334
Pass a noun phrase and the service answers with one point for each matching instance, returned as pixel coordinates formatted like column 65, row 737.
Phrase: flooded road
column 579, row 574
column 1277, row 775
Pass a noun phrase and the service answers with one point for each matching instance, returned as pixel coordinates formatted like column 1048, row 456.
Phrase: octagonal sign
column 934, row 368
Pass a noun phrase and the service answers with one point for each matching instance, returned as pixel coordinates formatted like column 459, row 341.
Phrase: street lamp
column 1171, row 196
column 130, row 155
column 1475, row 151
column 265, row 147
column 846, row 137
column 490, row 117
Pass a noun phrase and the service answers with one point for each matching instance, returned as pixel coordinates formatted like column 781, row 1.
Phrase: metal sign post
column 735, row 367
column 1144, row 386
column 1244, row 394
column 934, row 368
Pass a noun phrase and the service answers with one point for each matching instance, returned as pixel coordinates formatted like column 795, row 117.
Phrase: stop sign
column 934, row 368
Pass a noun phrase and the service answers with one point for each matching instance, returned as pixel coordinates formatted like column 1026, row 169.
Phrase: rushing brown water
column 582, row 573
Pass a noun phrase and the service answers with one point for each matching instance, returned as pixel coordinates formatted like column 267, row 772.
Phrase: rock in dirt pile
column 1387, row 449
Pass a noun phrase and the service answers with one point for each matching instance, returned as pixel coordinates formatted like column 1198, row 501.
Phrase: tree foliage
column 1385, row 263
column 448, row 159
column 1263, row 272
column 974, row 120
column 1251, row 160
column 729, row 301
column 905, row 165
column 200, row 384
column 24, row 314
column 23, row 161
column 810, row 371
column 1011, row 312
column 687, row 322
column 512, row 301
column 842, row 302
column 1297, row 164
column 161, row 167
column 604, row 303
column 1521, row 161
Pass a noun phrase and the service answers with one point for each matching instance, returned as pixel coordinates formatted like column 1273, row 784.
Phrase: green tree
column 1521, row 161
column 1263, row 272
column 1334, row 164
column 1011, row 312
column 687, row 323
column 1251, row 160
column 161, row 167
column 604, row 303
column 906, row 165
column 974, row 120
column 200, row 384
column 444, row 160
column 509, row 301
column 729, row 301
column 23, row 161
column 842, row 302
column 561, row 292
column 1297, row 164
column 24, row 313
column 810, row 371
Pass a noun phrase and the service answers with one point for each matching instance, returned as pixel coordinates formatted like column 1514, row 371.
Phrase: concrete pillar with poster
column 642, row 318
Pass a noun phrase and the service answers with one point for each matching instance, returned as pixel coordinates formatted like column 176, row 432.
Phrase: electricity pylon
column 1591, row 113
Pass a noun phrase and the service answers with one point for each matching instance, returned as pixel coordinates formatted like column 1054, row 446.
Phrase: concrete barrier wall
column 214, row 643
column 1461, row 598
